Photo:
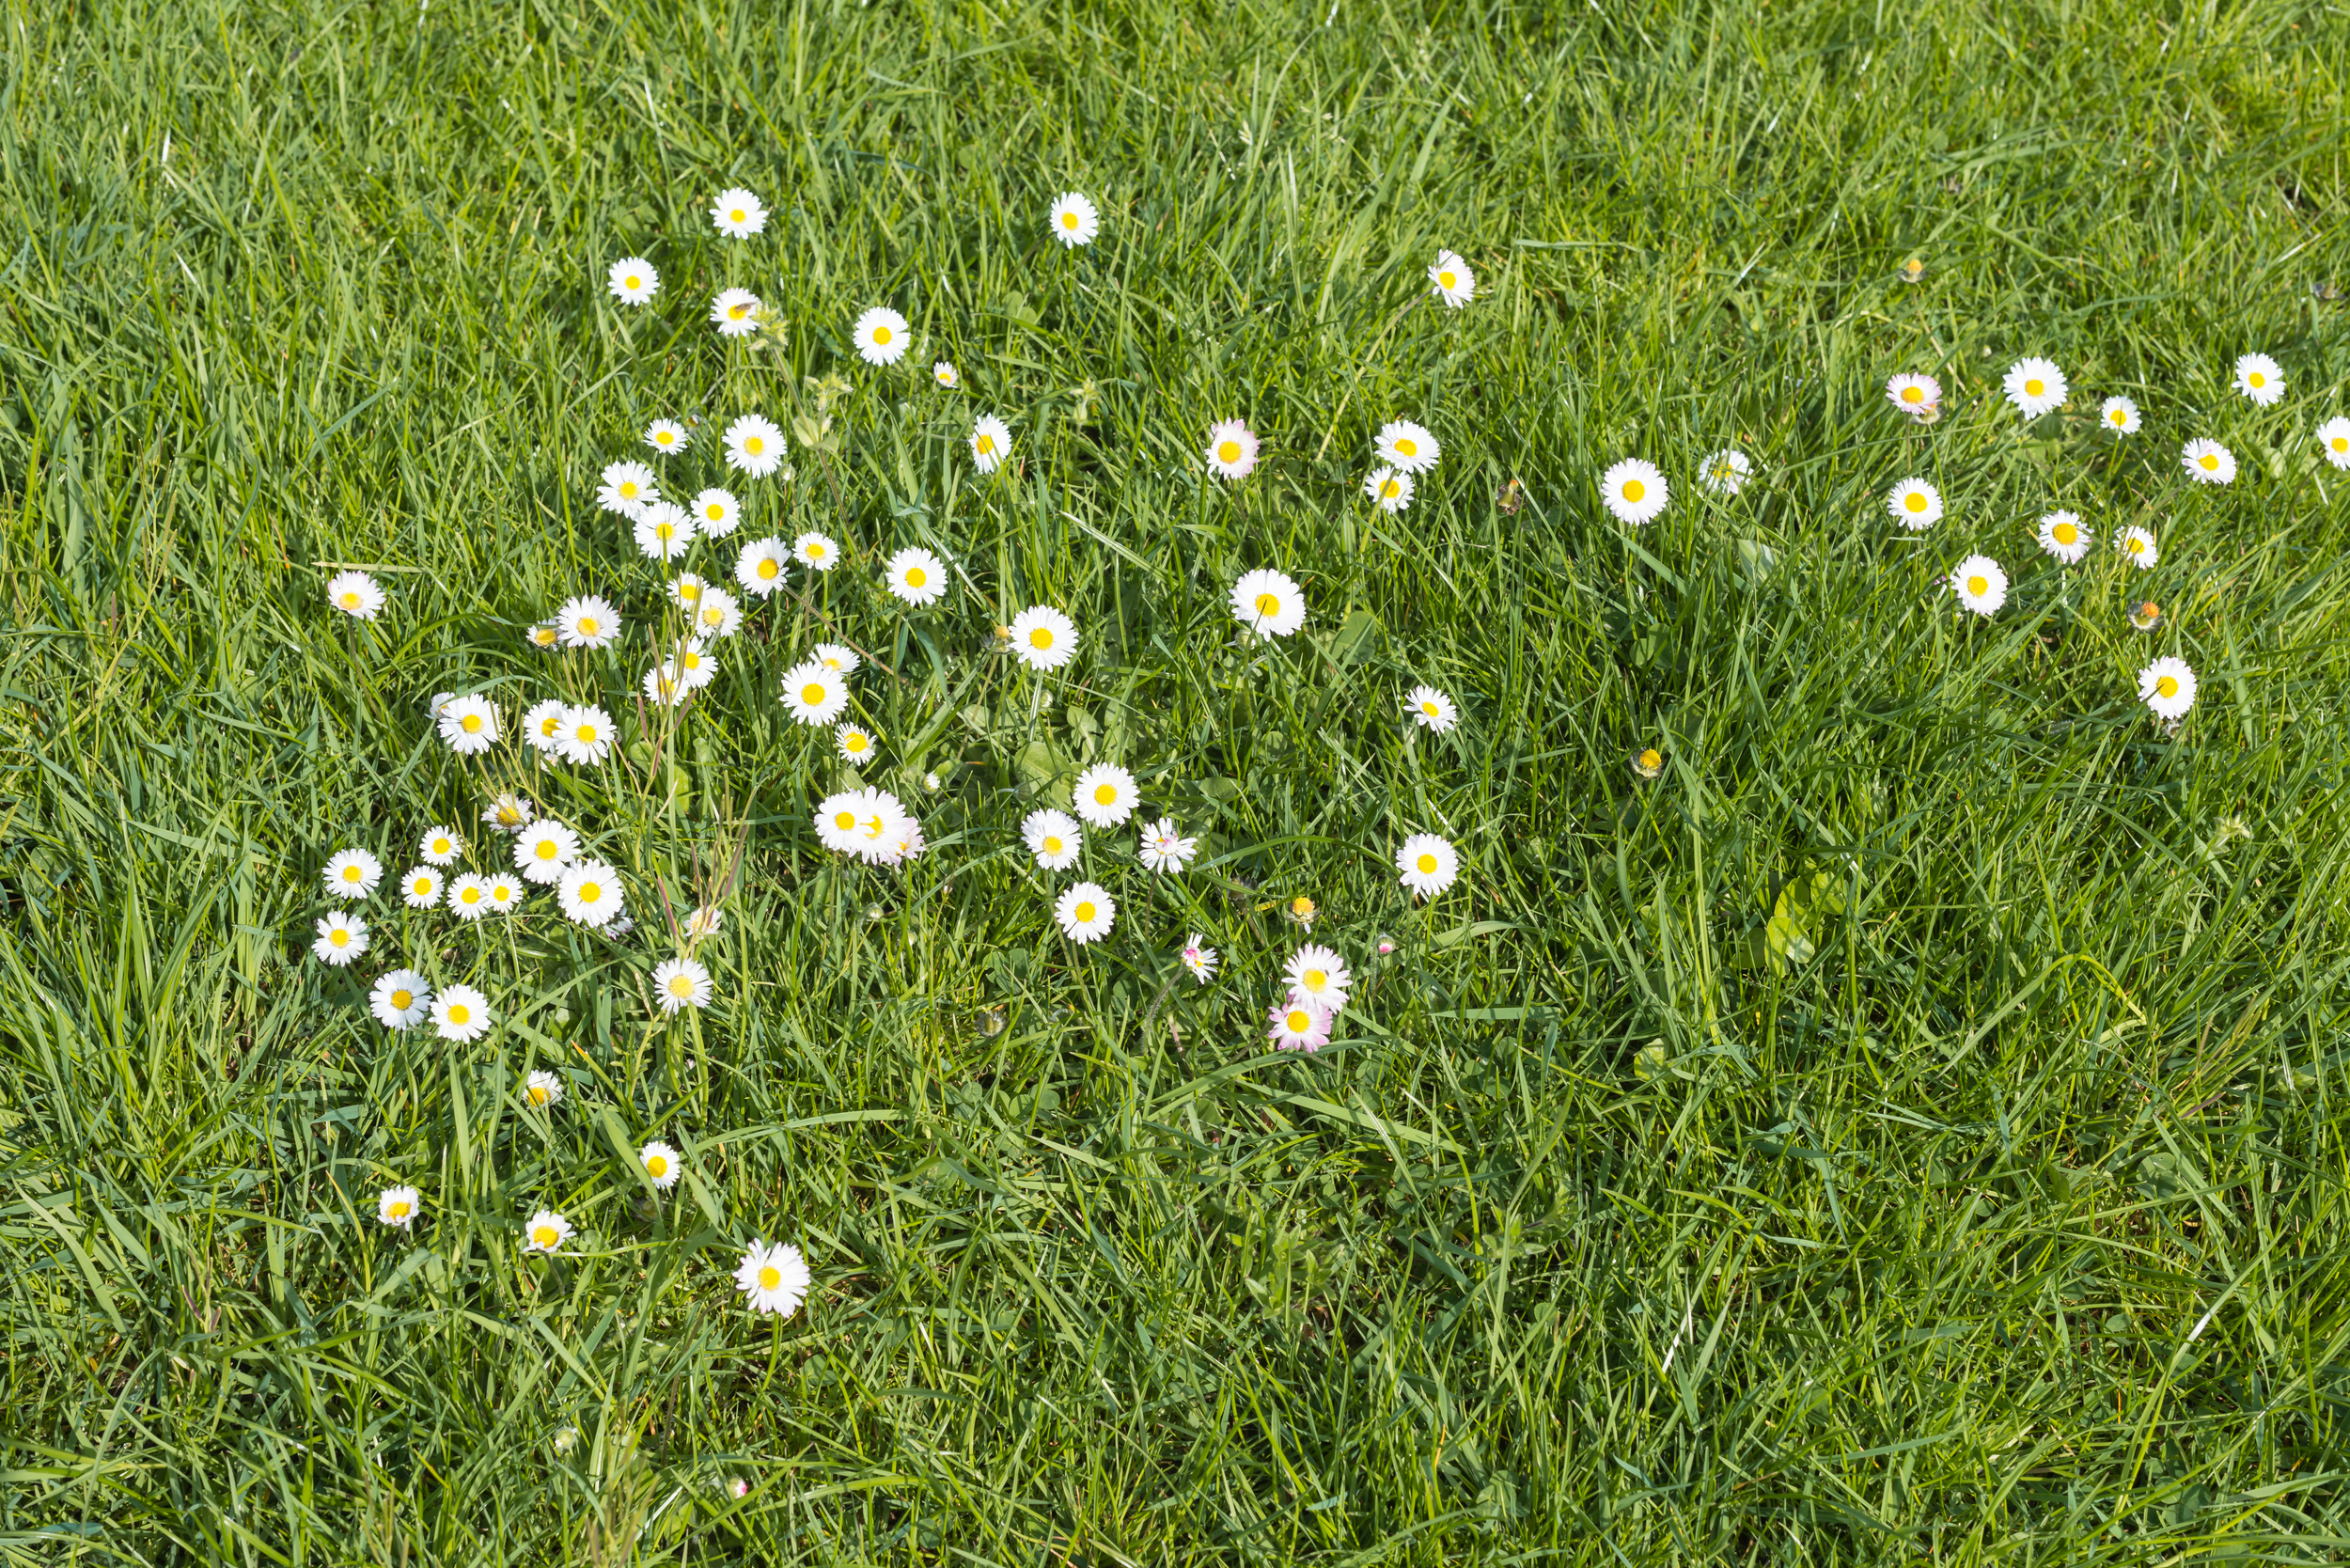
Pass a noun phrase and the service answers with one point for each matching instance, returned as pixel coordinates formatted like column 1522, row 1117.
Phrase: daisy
column 716, row 513
column 2063, row 535
column 1231, row 451
column 546, row 1231
column 587, row 736
column 705, row 922
column 2119, row 415
column 1163, row 849
column 1073, row 220
column 657, row 1159
column 762, row 565
column 664, row 686
column 400, row 999
column 1430, row 709
column 837, row 818
column 2034, row 386
column 685, row 589
column 543, row 850
column 1042, row 638
column 881, row 337
column 1406, row 447
column 1298, row 1024
column 2139, row 545
column 1451, row 280
column 508, row 812
column 1106, row 795
column 633, row 280
column 665, row 436
column 351, row 873
column 587, row 621
column 1198, row 958
column 1302, row 911
column 543, row 1090
column 663, row 530
column 680, row 983
column 2145, row 615
column 1391, row 488
column 991, row 442
column 470, row 726
column 833, row 657
column 2207, row 461
column 1914, row 395
column 854, row 745
column 542, row 724
column 1914, row 505
column 468, row 898
column 1428, row 863
column 1054, row 837
column 627, row 485
column 589, row 892
column 1268, row 604
column 817, row 552
column 2258, row 378
column 398, row 1207
column 2333, row 437
column 944, row 373
column 354, row 593
column 716, row 614
column 441, row 846
column 1635, row 490
column 1726, row 472
column 421, row 888
column 891, row 836
column 543, row 636
column 1649, row 763
column 754, row 446
column 504, row 893
column 814, row 694
column 1085, row 912
column 693, row 665
column 774, row 1279
column 461, row 1013
column 916, row 577
column 736, row 213
column 1980, row 584
column 2166, row 686
column 1318, row 975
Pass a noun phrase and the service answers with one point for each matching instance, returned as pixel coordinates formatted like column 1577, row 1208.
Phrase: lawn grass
column 1910, row 1129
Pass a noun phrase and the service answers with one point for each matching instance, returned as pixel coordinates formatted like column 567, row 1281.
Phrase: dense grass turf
column 1988, row 1207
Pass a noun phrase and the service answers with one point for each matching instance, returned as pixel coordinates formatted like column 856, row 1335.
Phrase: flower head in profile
column 1073, row 220
column 1198, row 957
column 814, row 694
column 1980, row 584
column 2063, row 535
column 1086, row 912
column 2207, row 461
column 1054, row 837
column 1302, row 912
column 1390, row 487
column 542, row 1090
column 2258, row 377
column 1295, row 1024
column 762, row 565
column 1648, row 762
column 1318, row 975
column 945, row 373
column 1914, row 505
column 627, row 484
column 2138, row 546
column 1406, row 447
column 2145, row 615
column 664, row 531
column 400, row 999
column 664, row 686
column 881, row 337
column 817, row 552
column 915, row 577
column 1042, row 638
column 2119, row 415
column 342, row 938
column 657, row 1160
column 1726, row 472
column 1918, row 395
column 1231, row 451
column 2167, row 687
column 356, row 593
column 1268, row 604
column 543, row 636
column 736, row 213
column 589, row 892
column 461, row 1013
column 2333, row 439
column 352, row 874
column 991, row 442
column 1106, row 795
column 754, row 446
column 1633, row 490
column 2035, row 387
column 716, row 513
column 420, row 888
column 1430, row 709
column 508, row 812
column 667, row 436
column 398, row 1207
column 1165, row 850
column 633, row 280
column 587, row 621
column 772, row 1279
column 545, row 1231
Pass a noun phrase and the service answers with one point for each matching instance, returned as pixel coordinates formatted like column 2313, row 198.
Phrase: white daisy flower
column 854, row 744
column 716, row 614
column 1073, row 220
column 543, row 636
column 837, row 820
column 762, row 565
column 351, row 873
column 1635, row 490
column 1042, row 638
column 692, row 663
column 1298, row 1024
column 1914, row 505
column 735, row 312
column 2063, row 535
column 342, row 938
column 1406, row 447
column 2207, row 461
column 1268, row 604
column 1726, row 472
column 633, row 280
column 587, row 621
column 2258, row 377
column 400, row 999
column 470, row 726
column 814, row 694
column 736, row 213
column 543, row 849
column 1428, row 863
column 945, row 373
column 991, row 442
column 508, row 812
column 1231, row 451
column 817, row 552
column 1165, row 850
column 658, row 1161
column 706, row 921
column 772, row 1279
column 504, row 894
column 1914, row 395
column 2333, row 439
column 685, row 589
column 2035, row 387
column 440, row 846
column 1430, row 709
column 1451, row 280
column 1054, row 837
column 2119, row 415
column 469, row 897
column 354, row 593
column 421, row 888
column 589, row 893
column 664, row 686
column 886, row 831
column 1106, row 795
column 664, row 531
column 1086, row 912
column 667, row 436
column 542, row 724
column 588, row 736
column 1198, row 958
column 461, row 1013
column 678, row 983
column 754, row 446
column 1318, row 975
column 1980, row 584
column 916, row 577
column 1392, row 488
column 2166, row 686
column 543, row 1090
column 2139, row 545
column 545, row 1231
column 881, row 337
column 398, row 1207
column 627, row 485
column 715, row 513
column 835, row 657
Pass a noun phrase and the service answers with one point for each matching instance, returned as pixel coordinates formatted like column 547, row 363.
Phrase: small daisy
column 545, row 1231
column 1318, row 975
column 1106, row 795
column 1635, row 490
column 1390, row 488
column 1231, row 451
column 1165, row 850
column 627, row 485
column 665, row 436
column 1085, row 912
column 1429, row 864
column 2063, row 535
column 837, row 818
column 736, row 213
column 587, row 621
column 398, row 1207
column 2166, row 686
column 461, row 1013
column 421, row 888
column 716, row 513
column 693, row 665
column 762, row 565
column 633, row 280
column 543, row 851
column 400, row 999
column 1198, row 958
column 2034, row 386
column 2139, row 545
column 1302, row 911
column 354, row 593
column 543, row 636
column 854, row 745
column 1450, row 277
column 441, row 846
column 772, row 1279
column 705, row 922
column 881, row 337
column 543, row 1090
column 1430, row 709
column 504, row 893
column 2119, row 415
column 2207, row 461
column 351, row 873
column 2258, row 378
column 2145, row 615
column 1980, row 584
column 817, row 552
column 468, row 896
column 1726, row 472
column 1914, row 505
column 754, row 446
column 664, row 686
column 681, row 983
column 1054, row 837
column 542, row 724
column 589, row 893
column 470, row 726
column 1406, row 447
column 1649, row 763
column 841, row 660
column 588, row 736
column 916, row 577
column 1268, row 604
column 716, row 614
column 1298, row 1024
column 1914, row 395
column 991, row 442
column 814, row 694
column 1073, row 220
column 508, row 812
column 664, row 531
column 685, row 589
column 2333, row 438
column 1042, row 638
column 945, row 373
column 657, row 1160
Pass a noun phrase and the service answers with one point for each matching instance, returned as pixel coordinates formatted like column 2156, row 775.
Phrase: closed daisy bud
column 2145, row 615
column 772, row 1279
column 1106, row 795
column 1450, row 280
column 1430, row 709
column 2035, row 387
column 736, row 213
column 354, row 593
column 2118, row 414
column 352, row 874
column 2063, row 535
column 401, row 1000
column 1086, row 912
column 1268, row 604
column 916, row 577
column 1914, row 505
column 545, row 1231
column 398, row 1207
column 2258, row 378
column 1427, row 864
column 1073, row 220
column 1635, row 490
column 1054, row 837
column 543, row 1090
column 633, row 280
column 680, row 983
column 461, row 1013
column 881, row 337
column 1042, row 638
column 659, row 1165
column 991, row 442
column 1980, row 584
column 2207, row 461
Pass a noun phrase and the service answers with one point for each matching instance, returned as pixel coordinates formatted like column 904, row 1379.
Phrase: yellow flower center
column 754, row 444
column 2064, row 533
column 471, row 723
column 587, row 735
column 714, row 616
column 2339, row 444
column 351, row 601
column 1084, row 912
column 1069, row 220
column 1429, row 708
column 1268, row 605
column 1445, row 280
column 1390, row 489
column 984, row 445
column 589, row 626
column 1914, row 500
column 812, row 694
column 664, row 531
column 402, row 1000
column 657, row 1166
column 1316, row 980
column 1300, row 1021
column 769, row 568
column 548, row 849
column 543, row 636
column 739, row 216
column 1913, row 394
column 1633, row 490
column 2167, row 685
column 2210, row 462
column 1427, row 863
column 1106, row 795
column 770, row 1277
column 2138, row 547
column 1301, row 905
column 1978, row 586
column 590, row 892
column 1405, row 447
column 881, row 337
column 351, row 873
column 1052, row 843
column 632, row 282
column 1651, row 758
column 338, row 937
column 2034, row 387
column 471, row 895
column 442, row 846
column 1041, row 638
column 538, row 1095
column 816, row 552
column 459, row 1013
column 2120, row 416
column 546, row 1236
column 400, row 1210
column 424, row 886
column 664, row 437
column 1228, row 451
column 2256, row 379
column 855, row 743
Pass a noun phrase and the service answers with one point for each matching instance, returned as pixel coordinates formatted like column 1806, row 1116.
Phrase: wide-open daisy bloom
column 837, row 820
column 945, row 373
column 854, row 744
column 1198, row 958
column 508, row 812
column 1390, row 487
column 543, row 849
column 772, row 1279
column 657, row 1159
column 664, row 686
column 735, row 312
column 2063, row 535
column 1726, row 472
column 1232, row 450
column 400, row 999
column 468, row 896
column 667, row 436
column 461, row 1013
column 1268, row 604
column 736, row 213
column 1648, row 762
column 1298, row 1024
column 2207, row 461
column 817, row 552
column 588, row 736
column 754, row 446
column 916, row 577
column 1042, row 638
column 355, row 594
column 545, row 1231
column 685, row 589
column 420, row 888
column 351, row 873
column 470, row 724
column 1914, row 505
column 1054, row 837
column 1073, row 220
column 2119, row 415
column 1633, row 490
column 2034, row 386
column 398, row 1207
column 1320, row 976
column 1914, row 395
column 627, row 485
column 991, row 442
column 2258, row 377
column 542, row 724
column 1428, row 865
column 814, row 694
column 2139, row 545
column 543, row 1090
column 1430, row 709
column 1086, row 912
column 440, row 846
column 633, row 280
column 716, row 614
column 1165, row 850
column 1406, row 447
column 678, row 983
column 692, row 662
column 1980, row 584
column 587, row 621
column 664, row 531
column 716, row 513
column 2333, row 439
column 882, row 337
column 1450, row 279
column 503, row 892
column 589, row 893
column 762, row 565
column 2166, row 686
column 1106, row 795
